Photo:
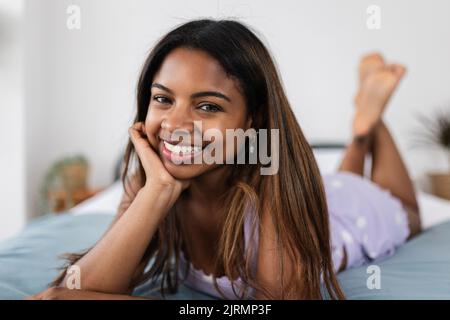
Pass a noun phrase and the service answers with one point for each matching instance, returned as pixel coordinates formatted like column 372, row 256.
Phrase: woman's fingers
column 144, row 150
column 154, row 169
column 140, row 128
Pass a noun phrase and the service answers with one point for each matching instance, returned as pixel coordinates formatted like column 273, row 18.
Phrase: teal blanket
column 28, row 262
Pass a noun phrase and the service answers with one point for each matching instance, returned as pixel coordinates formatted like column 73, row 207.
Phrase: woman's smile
column 180, row 153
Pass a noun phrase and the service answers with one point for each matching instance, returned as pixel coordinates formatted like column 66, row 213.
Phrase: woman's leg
column 367, row 113
column 355, row 154
column 377, row 83
column 389, row 172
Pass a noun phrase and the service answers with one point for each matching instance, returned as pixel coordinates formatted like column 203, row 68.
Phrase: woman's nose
column 177, row 119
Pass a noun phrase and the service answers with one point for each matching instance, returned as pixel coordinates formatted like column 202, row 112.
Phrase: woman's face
column 191, row 86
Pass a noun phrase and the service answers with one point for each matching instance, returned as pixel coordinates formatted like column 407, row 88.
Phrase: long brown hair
column 295, row 195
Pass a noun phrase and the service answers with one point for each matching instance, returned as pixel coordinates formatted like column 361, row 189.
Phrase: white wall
column 12, row 155
column 80, row 84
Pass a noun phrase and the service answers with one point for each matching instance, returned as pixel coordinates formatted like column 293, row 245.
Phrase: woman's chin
column 184, row 171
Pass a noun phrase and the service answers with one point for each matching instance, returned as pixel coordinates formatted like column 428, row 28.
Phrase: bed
column 419, row 270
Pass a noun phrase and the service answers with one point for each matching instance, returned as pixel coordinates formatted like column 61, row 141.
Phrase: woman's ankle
column 364, row 141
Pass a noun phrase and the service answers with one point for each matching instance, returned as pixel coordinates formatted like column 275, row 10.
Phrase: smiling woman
column 182, row 220
column 200, row 93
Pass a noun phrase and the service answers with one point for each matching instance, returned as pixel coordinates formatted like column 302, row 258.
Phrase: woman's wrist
column 158, row 196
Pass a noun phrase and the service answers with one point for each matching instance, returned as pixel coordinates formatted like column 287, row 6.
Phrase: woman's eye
column 209, row 108
column 161, row 99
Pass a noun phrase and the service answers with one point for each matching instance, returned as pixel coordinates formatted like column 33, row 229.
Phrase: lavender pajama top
column 364, row 218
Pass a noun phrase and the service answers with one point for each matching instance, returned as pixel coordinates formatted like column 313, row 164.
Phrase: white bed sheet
column 105, row 202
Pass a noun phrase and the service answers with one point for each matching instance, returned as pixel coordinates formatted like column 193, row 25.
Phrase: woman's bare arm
column 268, row 263
column 109, row 266
column 57, row 293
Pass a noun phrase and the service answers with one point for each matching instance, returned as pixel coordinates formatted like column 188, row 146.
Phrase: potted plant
column 64, row 180
column 436, row 133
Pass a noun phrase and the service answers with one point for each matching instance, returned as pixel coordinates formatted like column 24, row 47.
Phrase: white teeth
column 176, row 149
column 181, row 149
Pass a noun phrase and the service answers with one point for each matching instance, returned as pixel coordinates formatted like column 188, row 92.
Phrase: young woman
column 225, row 229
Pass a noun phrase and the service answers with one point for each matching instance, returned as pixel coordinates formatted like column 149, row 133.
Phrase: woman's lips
column 179, row 157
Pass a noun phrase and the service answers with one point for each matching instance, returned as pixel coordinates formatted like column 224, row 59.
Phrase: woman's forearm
column 57, row 293
column 109, row 266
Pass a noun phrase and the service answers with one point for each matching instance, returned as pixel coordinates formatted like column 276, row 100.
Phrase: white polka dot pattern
column 365, row 218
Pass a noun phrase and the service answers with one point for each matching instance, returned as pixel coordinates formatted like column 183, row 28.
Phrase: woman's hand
column 156, row 174
column 59, row 293
column 116, row 258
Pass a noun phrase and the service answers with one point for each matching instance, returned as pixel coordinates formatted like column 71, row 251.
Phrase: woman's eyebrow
column 210, row 93
column 195, row 95
column 160, row 86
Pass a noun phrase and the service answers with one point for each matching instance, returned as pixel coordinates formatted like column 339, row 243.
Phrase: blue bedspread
column 28, row 262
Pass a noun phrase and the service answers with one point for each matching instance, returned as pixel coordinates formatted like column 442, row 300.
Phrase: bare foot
column 377, row 83
column 368, row 64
